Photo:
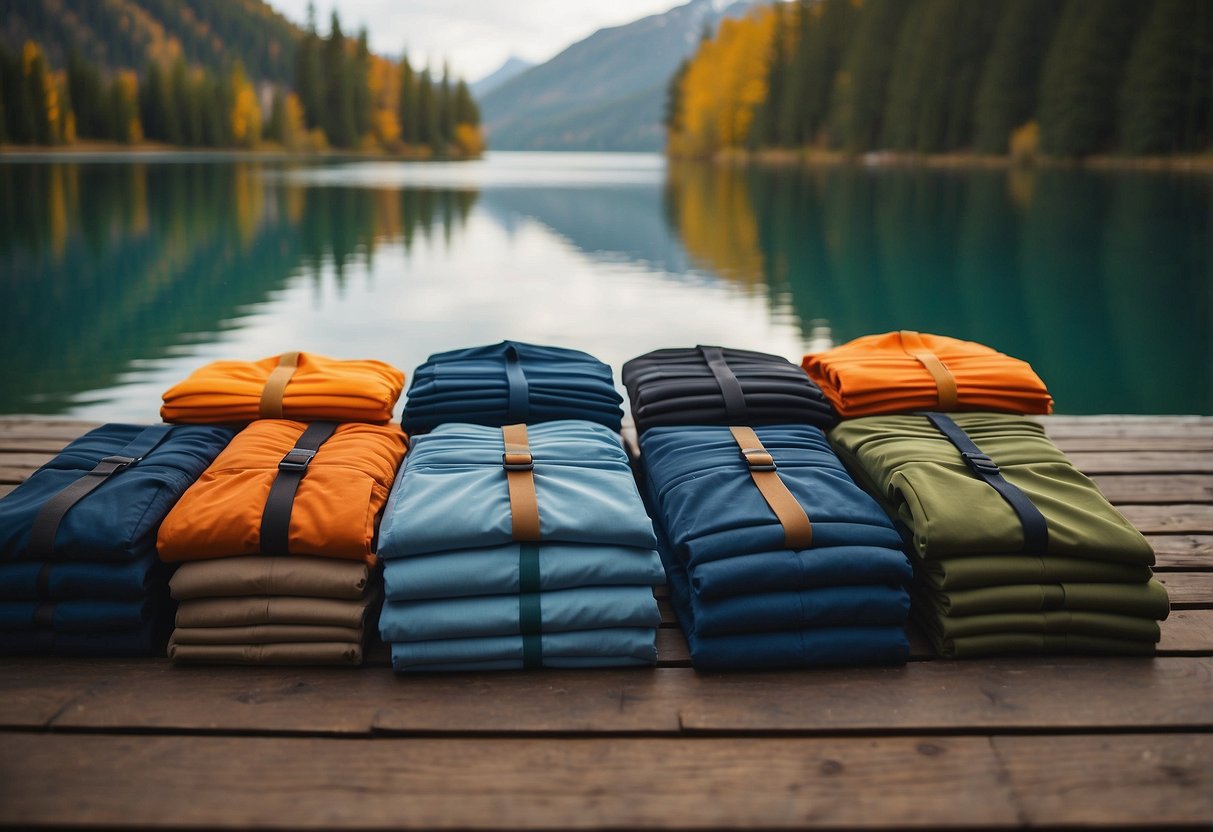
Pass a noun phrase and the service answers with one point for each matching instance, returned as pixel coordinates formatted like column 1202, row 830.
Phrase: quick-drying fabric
column 81, row 580
column 268, row 634
column 495, row 571
column 116, row 522
column 969, row 571
column 452, row 492
column 317, row 388
column 708, row 503
column 783, row 570
column 685, row 387
column 335, row 509
column 891, row 373
column 1147, row 599
column 276, row 609
column 486, row 386
column 314, row 653
column 309, row 577
column 582, row 608
column 950, row 512
column 75, row 616
column 613, row 647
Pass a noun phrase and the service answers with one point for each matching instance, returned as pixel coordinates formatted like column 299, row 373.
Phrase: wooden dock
column 994, row 743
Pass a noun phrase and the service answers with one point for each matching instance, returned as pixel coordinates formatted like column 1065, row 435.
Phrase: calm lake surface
column 119, row 276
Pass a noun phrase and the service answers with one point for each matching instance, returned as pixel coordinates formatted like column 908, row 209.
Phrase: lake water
column 118, row 276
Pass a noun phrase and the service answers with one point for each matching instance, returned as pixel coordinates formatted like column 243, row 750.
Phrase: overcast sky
column 475, row 36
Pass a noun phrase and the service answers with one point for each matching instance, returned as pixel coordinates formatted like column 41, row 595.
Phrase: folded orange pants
column 902, row 371
column 335, row 510
column 294, row 385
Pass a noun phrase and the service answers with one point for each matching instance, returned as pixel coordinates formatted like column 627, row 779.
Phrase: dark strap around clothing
column 519, row 468
column 945, row 382
column 530, row 616
column 519, row 408
column 730, row 387
column 270, row 406
column 43, row 582
column 276, row 516
column 44, row 617
column 46, row 522
column 797, row 531
column 1035, row 527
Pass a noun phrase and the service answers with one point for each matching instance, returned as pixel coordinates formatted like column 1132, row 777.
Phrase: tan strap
column 519, row 468
column 797, row 531
column 275, row 386
column 945, row 382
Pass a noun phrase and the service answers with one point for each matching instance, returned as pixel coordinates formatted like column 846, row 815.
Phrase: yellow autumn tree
column 724, row 83
column 246, row 112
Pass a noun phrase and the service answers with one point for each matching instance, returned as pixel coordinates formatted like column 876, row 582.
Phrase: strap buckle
column 758, row 459
column 517, row 461
column 979, row 462
column 296, row 459
column 120, row 463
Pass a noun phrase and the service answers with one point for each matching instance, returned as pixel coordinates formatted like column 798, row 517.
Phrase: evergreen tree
column 466, row 111
column 84, row 87
column 765, row 131
column 1165, row 104
column 1082, row 75
column 446, row 108
column 832, row 24
column 857, row 102
column 409, row 112
column 361, row 86
column 275, row 129
column 151, row 103
column 672, row 116
column 427, row 111
column 338, row 118
column 214, row 106
column 900, row 122
column 185, row 103
column 1010, row 82
column 309, row 77
column 4, row 71
column 789, row 121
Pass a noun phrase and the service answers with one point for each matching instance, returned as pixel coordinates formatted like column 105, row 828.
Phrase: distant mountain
column 512, row 67
column 117, row 34
column 606, row 92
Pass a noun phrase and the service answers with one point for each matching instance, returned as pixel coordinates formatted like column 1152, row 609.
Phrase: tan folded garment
column 314, row 653
column 255, row 575
column 266, row 634
column 242, row 612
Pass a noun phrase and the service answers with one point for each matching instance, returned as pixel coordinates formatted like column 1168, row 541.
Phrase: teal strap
column 530, row 617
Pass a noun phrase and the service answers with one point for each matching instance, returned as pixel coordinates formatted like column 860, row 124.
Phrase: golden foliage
column 724, row 83
column 716, row 220
column 246, row 112
column 469, row 139
column 1025, row 142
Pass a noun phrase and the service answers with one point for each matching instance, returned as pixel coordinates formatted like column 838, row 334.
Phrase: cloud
column 474, row 36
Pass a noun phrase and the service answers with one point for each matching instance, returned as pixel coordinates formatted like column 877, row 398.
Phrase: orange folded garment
column 294, row 385
column 335, row 510
column 901, row 371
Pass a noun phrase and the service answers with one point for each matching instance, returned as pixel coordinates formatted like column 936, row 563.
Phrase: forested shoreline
column 1023, row 79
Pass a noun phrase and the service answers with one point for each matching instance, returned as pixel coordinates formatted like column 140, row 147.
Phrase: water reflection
column 1104, row 282
column 116, row 278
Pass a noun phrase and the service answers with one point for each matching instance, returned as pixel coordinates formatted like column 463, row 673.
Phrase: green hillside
column 127, row 34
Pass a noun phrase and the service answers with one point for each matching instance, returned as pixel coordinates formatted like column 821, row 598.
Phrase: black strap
column 276, row 517
column 520, row 393
column 46, row 522
column 734, row 400
column 43, row 582
column 1035, row 528
column 530, row 616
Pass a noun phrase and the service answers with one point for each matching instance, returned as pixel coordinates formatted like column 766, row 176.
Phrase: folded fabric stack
column 721, row 386
column 904, row 371
column 278, row 535
column 293, row 385
column 516, row 547
column 511, row 383
column 775, row 556
column 78, row 567
column 1015, row 550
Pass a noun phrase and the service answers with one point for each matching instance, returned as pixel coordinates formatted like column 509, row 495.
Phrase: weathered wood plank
column 1143, row 462
column 1182, row 551
column 1187, row 441
column 476, row 783
column 1183, row 518
column 1187, row 633
column 1110, row 781
column 1121, row 489
column 1188, row 589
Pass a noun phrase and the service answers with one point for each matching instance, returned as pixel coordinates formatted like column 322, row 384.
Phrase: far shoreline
column 96, row 150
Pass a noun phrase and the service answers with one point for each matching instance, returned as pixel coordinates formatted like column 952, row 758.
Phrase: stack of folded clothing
column 293, row 385
column 1014, row 549
column 78, row 567
column 279, row 533
column 903, row 371
column 775, row 556
column 515, row 547
column 721, row 386
column 511, row 383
